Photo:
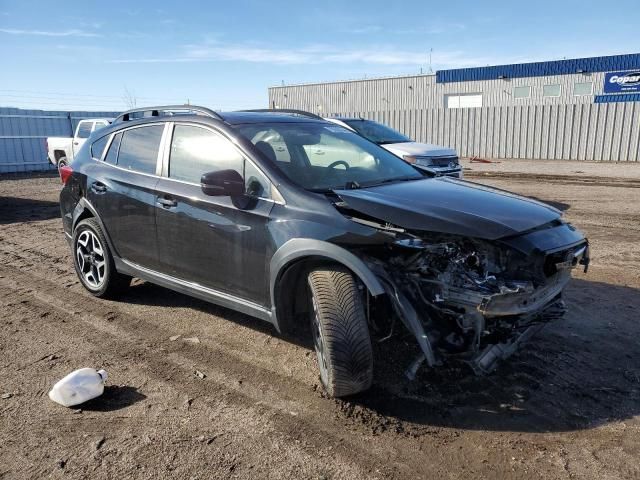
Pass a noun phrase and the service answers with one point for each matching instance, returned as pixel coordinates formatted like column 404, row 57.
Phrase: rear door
column 122, row 189
column 216, row 242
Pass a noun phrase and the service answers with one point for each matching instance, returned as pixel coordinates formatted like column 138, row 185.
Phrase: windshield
column 323, row 157
column 376, row 132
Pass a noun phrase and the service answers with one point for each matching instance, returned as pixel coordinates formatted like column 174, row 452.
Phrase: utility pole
column 430, row 52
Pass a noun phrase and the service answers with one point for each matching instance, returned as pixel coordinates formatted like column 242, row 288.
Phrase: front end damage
column 474, row 299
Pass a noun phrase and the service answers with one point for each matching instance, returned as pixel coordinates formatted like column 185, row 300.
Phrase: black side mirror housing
column 222, row 183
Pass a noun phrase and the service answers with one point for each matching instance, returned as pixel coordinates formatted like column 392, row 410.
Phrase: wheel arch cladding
column 298, row 254
column 83, row 210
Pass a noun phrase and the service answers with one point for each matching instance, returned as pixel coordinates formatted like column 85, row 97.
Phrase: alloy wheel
column 90, row 258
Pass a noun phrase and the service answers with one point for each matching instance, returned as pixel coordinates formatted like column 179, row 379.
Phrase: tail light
column 65, row 172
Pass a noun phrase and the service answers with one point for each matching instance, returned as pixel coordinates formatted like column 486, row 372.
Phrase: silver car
column 433, row 159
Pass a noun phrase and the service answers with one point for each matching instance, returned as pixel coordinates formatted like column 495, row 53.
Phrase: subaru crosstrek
column 236, row 209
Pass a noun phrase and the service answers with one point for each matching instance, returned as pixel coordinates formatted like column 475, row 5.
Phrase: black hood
column 450, row 206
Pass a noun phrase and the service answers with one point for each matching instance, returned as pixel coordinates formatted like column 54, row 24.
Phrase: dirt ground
column 566, row 406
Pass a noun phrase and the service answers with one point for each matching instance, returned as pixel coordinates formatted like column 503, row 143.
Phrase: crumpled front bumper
column 517, row 313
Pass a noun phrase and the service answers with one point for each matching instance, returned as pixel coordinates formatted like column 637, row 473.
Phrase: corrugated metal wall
column 603, row 131
column 537, row 69
column 422, row 91
column 581, row 127
column 23, row 134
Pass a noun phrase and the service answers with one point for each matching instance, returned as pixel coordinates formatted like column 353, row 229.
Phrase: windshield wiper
column 352, row 185
column 393, row 180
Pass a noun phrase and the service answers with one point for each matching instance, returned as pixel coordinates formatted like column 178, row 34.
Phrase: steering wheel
column 339, row 162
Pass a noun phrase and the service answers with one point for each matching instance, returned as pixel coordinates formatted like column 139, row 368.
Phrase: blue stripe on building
column 538, row 69
column 624, row 97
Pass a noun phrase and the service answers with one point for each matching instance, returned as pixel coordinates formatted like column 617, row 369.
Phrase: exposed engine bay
column 471, row 298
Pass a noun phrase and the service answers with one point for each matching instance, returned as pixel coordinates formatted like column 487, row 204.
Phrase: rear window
column 84, row 129
column 139, row 148
column 97, row 147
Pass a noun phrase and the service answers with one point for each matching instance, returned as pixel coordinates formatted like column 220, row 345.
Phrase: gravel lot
column 566, row 406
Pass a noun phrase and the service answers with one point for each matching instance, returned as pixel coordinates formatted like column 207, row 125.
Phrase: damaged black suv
column 302, row 223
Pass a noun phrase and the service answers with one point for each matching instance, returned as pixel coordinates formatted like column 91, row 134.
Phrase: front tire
column 340, row 332
column 94, row 263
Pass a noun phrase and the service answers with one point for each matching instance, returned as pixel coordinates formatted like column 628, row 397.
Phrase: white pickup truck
column 61, row 150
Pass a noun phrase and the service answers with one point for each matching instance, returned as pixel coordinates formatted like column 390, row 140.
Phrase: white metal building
column 584, row 109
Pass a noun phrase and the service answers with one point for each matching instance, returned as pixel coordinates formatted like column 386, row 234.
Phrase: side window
column 255, row 183
column 195, row 151
column 112, row 154
column 97, row 147
column 84, row 129
column 99, row 125
column 522, row 92
column 551, row 90
column 139, row 148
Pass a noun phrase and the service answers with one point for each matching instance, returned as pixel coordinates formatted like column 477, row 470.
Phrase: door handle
column 319, row 152
column 167, row 202
column 98, row 187
column 76, row 143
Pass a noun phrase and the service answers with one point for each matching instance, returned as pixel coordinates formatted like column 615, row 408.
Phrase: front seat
column 267, row 150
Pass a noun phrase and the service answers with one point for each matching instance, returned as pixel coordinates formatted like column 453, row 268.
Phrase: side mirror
column 222, row 183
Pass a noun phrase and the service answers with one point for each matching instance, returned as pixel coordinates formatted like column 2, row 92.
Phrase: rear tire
column 340, row 332
column 94, row 263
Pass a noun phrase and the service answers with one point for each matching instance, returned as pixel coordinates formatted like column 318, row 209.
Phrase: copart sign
column 620, row 82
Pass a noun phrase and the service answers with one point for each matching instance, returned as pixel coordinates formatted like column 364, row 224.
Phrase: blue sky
column 91, row 55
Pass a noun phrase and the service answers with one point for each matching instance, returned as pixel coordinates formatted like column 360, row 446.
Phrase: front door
column 216, row 242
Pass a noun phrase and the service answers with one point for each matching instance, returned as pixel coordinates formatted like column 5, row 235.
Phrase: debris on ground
column 174, row 338
column 192, row 339
column 78, row 387
column 6, row 396
column 482, row 160
column 98, row 443
column 200, row 375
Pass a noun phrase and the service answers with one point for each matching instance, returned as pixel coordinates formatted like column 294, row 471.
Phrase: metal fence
column 599, row 132
column 23, row 134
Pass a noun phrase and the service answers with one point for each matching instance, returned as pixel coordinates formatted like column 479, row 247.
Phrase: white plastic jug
column 79, row 387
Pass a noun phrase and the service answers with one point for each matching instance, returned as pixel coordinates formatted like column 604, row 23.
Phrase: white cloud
column 213, row 51
column 45, row 33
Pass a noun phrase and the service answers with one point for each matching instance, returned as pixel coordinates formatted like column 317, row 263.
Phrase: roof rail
column 155, row 111
column 286, row 110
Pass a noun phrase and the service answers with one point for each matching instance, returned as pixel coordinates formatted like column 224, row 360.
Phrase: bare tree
column 129, row 98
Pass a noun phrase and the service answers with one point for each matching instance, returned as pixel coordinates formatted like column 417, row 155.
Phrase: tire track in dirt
column 221, row 401
column 579, row 380
column 315, row 417
column 561, row 179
